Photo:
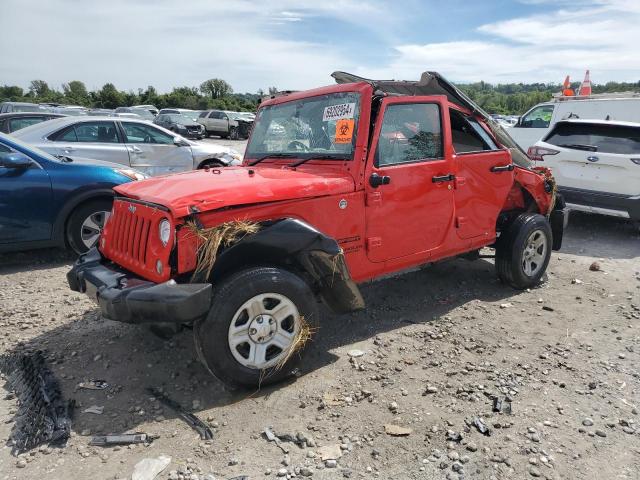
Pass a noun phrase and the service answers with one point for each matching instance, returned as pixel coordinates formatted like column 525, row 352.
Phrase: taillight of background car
column 537, row 154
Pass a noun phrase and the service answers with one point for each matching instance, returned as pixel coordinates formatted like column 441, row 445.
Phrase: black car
column 181, row 124
column 10, row 122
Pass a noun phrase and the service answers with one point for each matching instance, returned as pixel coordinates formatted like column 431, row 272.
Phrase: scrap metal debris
column 501, row 406
column 93, row 385
column 95, row 409
column 396, row 430
column 122, row 439
column 279, row 439
column 480, row 426
column 149, row 468
column 43, row 415
column 194, row 422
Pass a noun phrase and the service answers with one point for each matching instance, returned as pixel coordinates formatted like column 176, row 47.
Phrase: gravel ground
column 424, row 360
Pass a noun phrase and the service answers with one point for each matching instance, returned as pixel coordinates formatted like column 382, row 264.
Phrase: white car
column 539, row 120
column 138, row 144
column 596, row 164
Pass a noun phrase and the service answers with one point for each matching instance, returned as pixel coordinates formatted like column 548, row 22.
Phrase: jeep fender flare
column 295, row 245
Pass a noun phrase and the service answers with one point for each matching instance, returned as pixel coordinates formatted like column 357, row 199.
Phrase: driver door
column 409, row 192
column 153, row 151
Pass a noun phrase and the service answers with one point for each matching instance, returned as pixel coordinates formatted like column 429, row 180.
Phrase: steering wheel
column 148, row 139
column 297, row 146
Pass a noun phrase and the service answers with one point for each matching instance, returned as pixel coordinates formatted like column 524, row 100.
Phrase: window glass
column 324, row 126
column 4, row 149
column 596, row 138
column 216, row 115
column 203, row 114
column 467, row 135
column 539, row 117
column 22, row 122
column 410, row 132
column 139, row 133
column 66, row 135
column 96, row 132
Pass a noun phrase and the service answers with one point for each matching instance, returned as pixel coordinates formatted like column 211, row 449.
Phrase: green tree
column 11, row 93
column 216, row 88
column 76, row 92
column 109, row 97
column 39, row 88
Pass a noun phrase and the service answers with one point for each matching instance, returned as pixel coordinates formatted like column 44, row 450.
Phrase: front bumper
column 127, row 298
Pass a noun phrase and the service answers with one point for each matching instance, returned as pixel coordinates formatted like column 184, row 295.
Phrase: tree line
column 508, row 99
column 517, row 98
column 211, row 94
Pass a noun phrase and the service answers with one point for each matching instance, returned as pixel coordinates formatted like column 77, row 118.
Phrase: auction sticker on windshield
column 336, row 112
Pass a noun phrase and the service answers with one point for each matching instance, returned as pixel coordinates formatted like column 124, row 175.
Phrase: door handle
column 68, row 149
column 135, row 150
column 376, row 180
column 443, row 178
column 502, row 168
column 593, row 158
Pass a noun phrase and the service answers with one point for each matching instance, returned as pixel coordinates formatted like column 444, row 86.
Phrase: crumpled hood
column 223, row 187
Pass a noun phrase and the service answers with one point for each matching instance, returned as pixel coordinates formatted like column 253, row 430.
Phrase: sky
column 296, row 44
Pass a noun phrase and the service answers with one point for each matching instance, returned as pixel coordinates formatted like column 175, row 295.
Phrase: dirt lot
column 437, row 344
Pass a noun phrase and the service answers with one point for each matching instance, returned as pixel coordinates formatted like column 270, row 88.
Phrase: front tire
column 233, row 133
column 85, row 224
column 523, row 251
column 256, row 316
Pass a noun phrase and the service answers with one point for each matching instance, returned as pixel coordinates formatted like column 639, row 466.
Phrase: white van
column 538, row 121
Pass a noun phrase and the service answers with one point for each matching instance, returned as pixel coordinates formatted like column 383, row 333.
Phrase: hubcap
column 263, row 329
column 535, row 251
column 91, row 228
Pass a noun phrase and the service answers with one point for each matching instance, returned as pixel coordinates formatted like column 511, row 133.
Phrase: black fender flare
column 58, row 232
column 222, row 162
column 296, row 245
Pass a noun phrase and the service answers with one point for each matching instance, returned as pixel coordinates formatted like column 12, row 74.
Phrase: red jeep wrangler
column 340, row 185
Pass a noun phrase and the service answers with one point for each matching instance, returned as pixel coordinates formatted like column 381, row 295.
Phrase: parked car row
column 131, row 142
column 189, row 123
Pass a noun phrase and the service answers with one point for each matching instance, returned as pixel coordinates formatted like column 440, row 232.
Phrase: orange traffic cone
column 568, row 91
column 585, row 88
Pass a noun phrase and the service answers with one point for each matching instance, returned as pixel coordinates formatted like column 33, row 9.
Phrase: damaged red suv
column 339, row 185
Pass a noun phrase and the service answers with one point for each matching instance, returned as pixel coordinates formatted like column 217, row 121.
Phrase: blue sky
column 296, row 44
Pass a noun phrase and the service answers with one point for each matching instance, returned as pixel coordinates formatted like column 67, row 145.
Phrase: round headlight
column 164, row 230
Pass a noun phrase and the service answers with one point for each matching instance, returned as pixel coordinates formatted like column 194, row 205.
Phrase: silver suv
column 225, row 124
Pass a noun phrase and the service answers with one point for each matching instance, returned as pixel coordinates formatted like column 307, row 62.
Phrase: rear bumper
column 127, row 298
column 612, row 204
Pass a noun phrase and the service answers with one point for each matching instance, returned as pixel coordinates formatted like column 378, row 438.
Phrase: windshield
column 27, row 108
column 322, row 125
column 181, row 119
column 146, row 114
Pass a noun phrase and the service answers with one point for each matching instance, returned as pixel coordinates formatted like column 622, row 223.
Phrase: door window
column 596, row 138
column 22, row 122
column 215, row 115
column 88, row 132
column 410, row 132
column 539, row 117
column 467, row 135
column 140, row 133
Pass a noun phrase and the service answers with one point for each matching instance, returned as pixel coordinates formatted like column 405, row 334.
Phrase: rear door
column 596, row 157
column 99, row 140
column 484, row 177
column 153, row 151
column 409, row 190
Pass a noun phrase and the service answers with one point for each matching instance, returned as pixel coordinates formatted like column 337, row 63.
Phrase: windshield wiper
column 578, row 146
column 317, row 157
column 271, row 155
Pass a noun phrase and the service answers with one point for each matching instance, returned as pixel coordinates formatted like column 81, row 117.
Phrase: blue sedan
column 47, row 201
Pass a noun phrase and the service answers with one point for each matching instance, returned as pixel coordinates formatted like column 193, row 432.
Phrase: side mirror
column 179, row 142
column 15, row 160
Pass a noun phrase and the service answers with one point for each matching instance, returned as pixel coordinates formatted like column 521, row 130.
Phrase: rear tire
column 523, row 251
column 85, row 224
column 254, row 313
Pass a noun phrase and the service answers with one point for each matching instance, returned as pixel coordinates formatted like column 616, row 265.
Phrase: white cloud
column 598, row 35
